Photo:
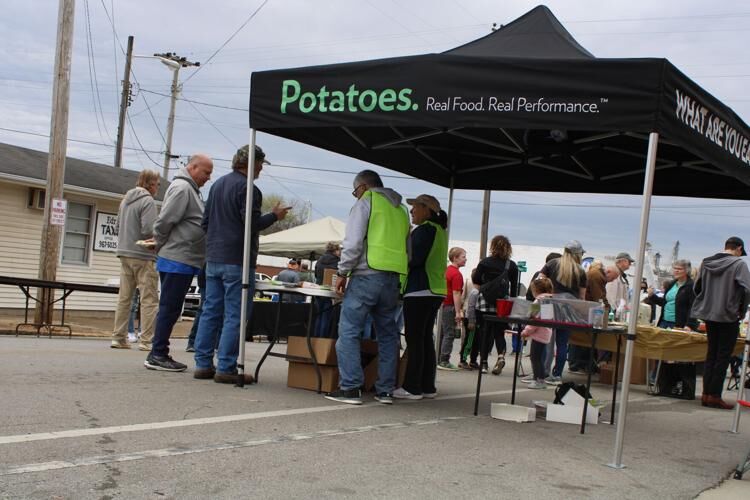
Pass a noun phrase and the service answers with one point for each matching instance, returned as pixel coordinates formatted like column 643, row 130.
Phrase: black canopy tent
column 525, row 108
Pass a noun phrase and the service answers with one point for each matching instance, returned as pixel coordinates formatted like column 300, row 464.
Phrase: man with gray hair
column 180, row 243
column 373, row 260
column 224, row 223
column 135, row 221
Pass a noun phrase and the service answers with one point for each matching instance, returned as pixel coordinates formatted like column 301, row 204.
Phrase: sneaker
column 144, row 347
column 190, row 349
column 350, row 396
column 429, row 395
column 164, row 363
column 446, row 365
column 402, row 393
column 528, row 379
column 499, row 365
column 116, row 344
column 132, row 338
column 204, row 373
column 485, row 368
column 464, row 365
column 536, row 384
column 385, row 398
column 473, row 365
column 553, row 380
column 231, row 378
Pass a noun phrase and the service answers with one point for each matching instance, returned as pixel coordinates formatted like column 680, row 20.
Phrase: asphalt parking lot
column 80, row 420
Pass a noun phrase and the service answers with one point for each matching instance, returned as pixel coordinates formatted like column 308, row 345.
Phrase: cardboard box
column 637, row 374
column 328, row 275
column 512, row 413
column 572, row 414
column 324, row 349
column 302, row 376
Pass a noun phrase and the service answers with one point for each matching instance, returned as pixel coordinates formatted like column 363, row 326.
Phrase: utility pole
column 49, row 250
column 174, row 62
column 485, row 223
column 124, row 103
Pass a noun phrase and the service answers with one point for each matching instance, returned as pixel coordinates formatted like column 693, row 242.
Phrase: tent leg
column 648, row 184
column 743, row 377
column 485, row 225
column 439, row 318
column 246, row 263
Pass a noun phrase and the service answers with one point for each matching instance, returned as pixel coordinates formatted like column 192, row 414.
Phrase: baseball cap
column 736, row 241
column 293, row 261
column 242, row 156
column 625, row 255
column 574, row 246
column 426, row 200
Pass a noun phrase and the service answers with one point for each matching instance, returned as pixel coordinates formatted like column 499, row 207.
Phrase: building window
column 77, row 240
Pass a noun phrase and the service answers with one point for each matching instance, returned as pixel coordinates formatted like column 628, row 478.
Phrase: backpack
column 496, row 288
column 563, row 389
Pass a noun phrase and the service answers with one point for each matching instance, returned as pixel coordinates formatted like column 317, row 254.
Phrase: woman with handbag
column 497, row 278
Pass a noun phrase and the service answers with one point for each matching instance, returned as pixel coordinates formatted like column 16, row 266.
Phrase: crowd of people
column 388, row 267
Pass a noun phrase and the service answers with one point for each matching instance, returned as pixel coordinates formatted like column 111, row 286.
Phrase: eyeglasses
column 356, row 189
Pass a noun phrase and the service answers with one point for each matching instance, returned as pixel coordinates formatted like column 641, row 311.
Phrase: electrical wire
column 197, row 102
column 82, row 141
column 226, row 42
column 93, row 80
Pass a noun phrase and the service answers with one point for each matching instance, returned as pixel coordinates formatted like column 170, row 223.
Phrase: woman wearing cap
column 424, row 291
column 488, row 269
column 568, row 278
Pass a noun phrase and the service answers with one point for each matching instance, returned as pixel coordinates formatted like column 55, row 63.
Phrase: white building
column 93, row 192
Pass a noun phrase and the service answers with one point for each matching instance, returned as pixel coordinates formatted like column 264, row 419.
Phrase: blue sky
column 707, row 41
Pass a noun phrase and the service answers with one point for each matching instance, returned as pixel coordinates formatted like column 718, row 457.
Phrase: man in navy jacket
column 224, row 223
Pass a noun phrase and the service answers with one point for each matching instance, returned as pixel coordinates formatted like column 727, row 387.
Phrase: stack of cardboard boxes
column 301, row 374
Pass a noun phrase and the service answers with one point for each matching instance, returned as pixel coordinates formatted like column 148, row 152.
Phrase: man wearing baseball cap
column 618, row 290
column 224, row 223
column 722, row 292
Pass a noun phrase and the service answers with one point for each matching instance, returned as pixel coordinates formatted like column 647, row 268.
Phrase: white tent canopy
column 302, row 241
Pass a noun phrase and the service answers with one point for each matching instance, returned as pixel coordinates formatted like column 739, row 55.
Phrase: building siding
column 20, row 239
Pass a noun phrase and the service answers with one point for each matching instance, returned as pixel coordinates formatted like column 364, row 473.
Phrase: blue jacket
column 224, row 220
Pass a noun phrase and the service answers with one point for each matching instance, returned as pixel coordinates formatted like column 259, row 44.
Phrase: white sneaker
column 402, row 393
column 429, row 395
column 528, row 379
column 132, row 337
column 537, row 385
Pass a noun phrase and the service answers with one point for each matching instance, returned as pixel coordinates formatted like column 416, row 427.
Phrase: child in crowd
column 540, row 336
column 469, row 343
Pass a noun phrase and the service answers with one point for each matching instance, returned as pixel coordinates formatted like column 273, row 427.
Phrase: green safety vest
column 435, row 265
column 387, row 231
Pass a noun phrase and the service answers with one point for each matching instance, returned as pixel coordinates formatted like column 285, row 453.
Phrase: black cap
column 735, row 241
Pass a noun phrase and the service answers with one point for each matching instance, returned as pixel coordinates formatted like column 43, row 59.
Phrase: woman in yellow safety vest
column 424, row 291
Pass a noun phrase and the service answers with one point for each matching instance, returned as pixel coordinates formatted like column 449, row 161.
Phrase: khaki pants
column 141, row 274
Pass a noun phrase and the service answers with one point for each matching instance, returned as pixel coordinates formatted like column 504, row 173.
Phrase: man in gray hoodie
column 135, row 221
column 373, row 260
column 180, row 243
column 722, row 292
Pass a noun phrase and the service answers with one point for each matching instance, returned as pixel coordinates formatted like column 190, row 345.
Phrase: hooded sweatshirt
column 177, row 230
column 135, row 221
column 722, row 289
column 354, row 254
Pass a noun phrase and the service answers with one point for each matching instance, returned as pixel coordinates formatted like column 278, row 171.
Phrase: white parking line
column 171, row 452
column 44, row 436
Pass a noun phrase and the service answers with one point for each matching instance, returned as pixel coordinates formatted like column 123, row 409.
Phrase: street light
column 174, row 63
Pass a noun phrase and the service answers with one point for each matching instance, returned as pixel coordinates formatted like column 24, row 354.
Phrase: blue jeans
column 134, row 312
column 377, row 295
column 174, row 287
column 221, row 317
column 561, row 346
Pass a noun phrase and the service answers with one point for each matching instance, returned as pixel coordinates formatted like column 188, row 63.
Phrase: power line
column 226, row 42
column 196, row 102
column 93, row 79
column 82, row 141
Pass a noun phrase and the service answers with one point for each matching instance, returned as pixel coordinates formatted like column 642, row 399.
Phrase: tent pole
column 439, row 318
column 648, row 184
column 485, row 225
column 246, row 298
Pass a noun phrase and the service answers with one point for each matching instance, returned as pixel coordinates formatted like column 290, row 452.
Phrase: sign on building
column 105, row 233
column 57, row 212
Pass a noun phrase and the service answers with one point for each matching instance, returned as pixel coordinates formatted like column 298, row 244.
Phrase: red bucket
column 503, row 306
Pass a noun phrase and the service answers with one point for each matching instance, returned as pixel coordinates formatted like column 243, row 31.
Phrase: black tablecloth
column 293, row 319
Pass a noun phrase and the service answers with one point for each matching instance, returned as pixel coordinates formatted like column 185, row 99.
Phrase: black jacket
column 422, row 239
column 490, row 268
column 683, row 303
column 328, row 260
